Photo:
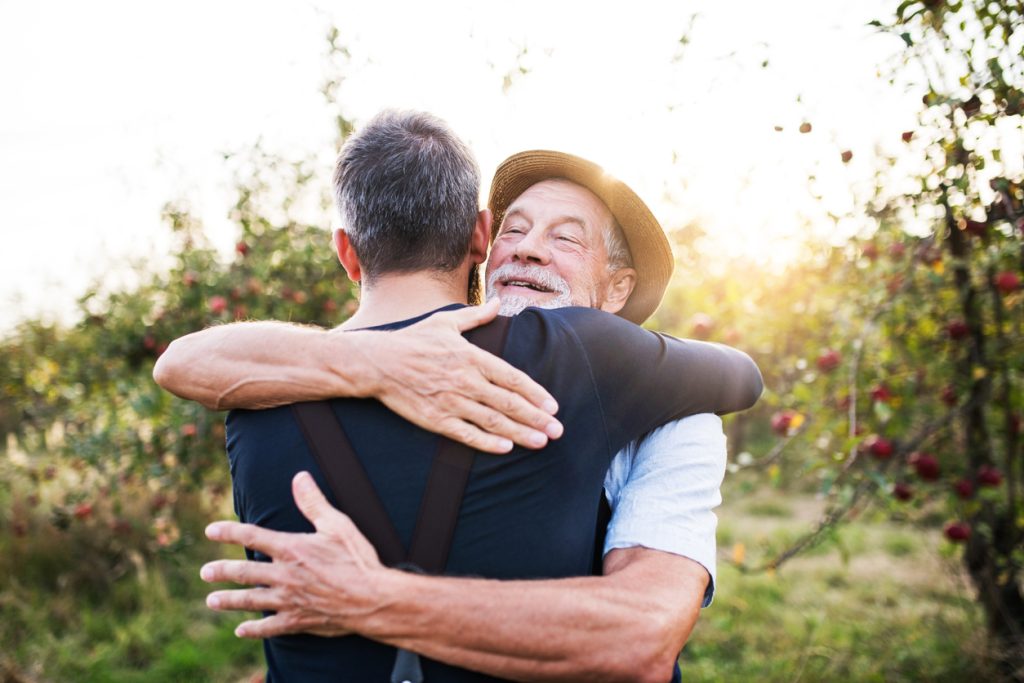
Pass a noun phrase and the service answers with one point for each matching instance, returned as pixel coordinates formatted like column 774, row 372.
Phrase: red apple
column 989, row 476
column 218, row 304
column 242, row 248
column 902, row 491
column 897, row 250
column 880, row 393
column 83, row 511
column 964, row 488
column 925, row 464
column 254, row 285
column 870, row 251
column 957, row 532
column 330, row 306
column 829, row 360
column 701, row 325
column 300, row 297
column 957, row 329
column 149, row 342
column 1007, row 282
column 188, row 430
column 781, row 422
column 879, row 446
column 948, row 395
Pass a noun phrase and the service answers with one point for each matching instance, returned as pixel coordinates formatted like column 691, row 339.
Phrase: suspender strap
column 442, row 497
column 347, row 478
column 446, row 483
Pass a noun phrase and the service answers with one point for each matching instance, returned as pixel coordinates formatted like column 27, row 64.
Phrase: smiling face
column 550, row 252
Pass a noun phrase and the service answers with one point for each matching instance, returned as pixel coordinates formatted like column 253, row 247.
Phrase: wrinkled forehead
column 560, row 197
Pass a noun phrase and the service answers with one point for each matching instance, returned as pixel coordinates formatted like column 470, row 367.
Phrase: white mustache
column 514, row 304
column 543, row 277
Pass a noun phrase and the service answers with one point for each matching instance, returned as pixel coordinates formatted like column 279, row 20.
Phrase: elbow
column 756, row 385
column 171, row 372
column 164, row 370
column 751, row 385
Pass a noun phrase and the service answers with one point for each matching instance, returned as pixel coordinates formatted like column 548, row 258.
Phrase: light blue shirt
column 663, row 491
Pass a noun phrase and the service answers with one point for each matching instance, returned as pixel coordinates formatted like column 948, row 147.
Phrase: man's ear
column 347, row 255
column 481, row 240
column 620, row 286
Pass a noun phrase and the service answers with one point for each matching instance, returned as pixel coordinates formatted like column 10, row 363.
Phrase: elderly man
column 552, row 249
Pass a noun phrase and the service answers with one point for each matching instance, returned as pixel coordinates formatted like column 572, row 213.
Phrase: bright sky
column 111, row 109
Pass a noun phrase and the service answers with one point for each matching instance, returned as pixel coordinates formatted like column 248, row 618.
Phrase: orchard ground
column 879, row 600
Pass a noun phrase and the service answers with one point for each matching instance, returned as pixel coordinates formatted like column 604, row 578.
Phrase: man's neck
column 401, row 296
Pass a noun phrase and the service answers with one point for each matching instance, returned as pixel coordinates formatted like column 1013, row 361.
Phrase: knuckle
column 492, row 421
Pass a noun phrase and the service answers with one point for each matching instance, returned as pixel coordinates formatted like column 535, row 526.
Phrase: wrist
column 393, row 609
column 350, row 358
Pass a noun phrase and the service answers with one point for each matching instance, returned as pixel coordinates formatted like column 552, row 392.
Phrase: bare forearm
column 260, row 365
column 627, row 626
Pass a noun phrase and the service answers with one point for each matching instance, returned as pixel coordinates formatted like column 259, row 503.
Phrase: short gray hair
column 616, row 246
column 408, row 191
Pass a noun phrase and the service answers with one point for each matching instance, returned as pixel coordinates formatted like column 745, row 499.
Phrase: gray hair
column 408, row 192
column 616, row 246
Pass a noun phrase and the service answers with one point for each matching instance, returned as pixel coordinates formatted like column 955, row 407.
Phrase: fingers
column 311, row 501
column 502, row 374
column 468, row 433
column 283, row 624
column 496, row 423
column 245, row 572
column 247, row 600
column 272, row 543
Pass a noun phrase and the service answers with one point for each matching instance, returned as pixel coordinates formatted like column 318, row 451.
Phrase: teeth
column 529, row 285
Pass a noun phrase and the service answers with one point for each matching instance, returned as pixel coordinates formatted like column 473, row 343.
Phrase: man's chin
column 514, row 304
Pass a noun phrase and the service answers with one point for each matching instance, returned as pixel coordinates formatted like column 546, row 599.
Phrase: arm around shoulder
column 260, row 365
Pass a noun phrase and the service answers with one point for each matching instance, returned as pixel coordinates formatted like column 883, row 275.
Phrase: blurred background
column 843, row 186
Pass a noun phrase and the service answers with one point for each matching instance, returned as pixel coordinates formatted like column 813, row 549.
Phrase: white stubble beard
column 514, row 304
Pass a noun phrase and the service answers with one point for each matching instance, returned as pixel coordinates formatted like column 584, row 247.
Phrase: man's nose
column 533, row 248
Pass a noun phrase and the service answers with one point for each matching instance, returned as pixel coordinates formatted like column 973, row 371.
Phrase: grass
column 878, row 602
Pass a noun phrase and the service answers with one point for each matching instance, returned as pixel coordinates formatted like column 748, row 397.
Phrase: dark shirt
column 525, row 515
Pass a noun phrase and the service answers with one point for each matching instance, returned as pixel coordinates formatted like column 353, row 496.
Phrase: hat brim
column 652, row 255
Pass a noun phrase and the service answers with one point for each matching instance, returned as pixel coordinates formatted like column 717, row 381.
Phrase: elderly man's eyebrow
column 560, row 220
column 512, row 213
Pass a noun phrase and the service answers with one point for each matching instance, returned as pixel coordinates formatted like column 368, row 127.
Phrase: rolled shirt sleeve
column 663, row 490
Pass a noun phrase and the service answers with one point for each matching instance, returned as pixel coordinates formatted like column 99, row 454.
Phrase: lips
column 527, row 284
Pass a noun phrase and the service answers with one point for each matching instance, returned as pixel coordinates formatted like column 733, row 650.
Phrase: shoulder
column 588, row 327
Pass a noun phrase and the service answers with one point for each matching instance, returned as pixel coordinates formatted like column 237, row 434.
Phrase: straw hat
column 652, row 256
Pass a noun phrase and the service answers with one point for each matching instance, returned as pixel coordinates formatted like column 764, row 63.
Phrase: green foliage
column 895, row 363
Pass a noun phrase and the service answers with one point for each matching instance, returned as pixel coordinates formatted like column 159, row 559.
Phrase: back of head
column 408, row 191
